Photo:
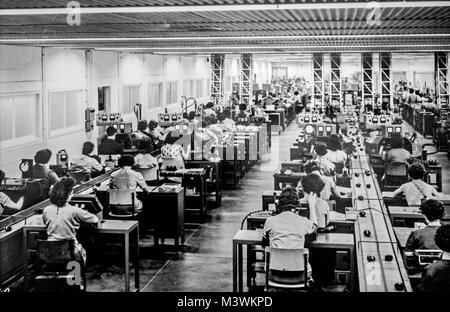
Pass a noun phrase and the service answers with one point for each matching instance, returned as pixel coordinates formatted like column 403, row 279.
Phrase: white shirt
column 287, row 230
column 87, row 162
column 329, row 186
column 336, row 156
column 325, row 164
column 147, row 166
column 415, row 190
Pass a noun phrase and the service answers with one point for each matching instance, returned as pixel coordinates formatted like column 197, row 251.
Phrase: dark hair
column 2, row 176
column 311, row 166
column 145, row 145
column 313, row 183
column 43, row 156
column 125, row 160
column 295, row 92
column 442, row 237
column 213, row 121
column 396, row 141
column 209, row 105
column 226, row 113
column 152, row 124
column 60, row 192
column 191, row 115
column 88, row 147
column 220, row 116
column 416, row 171
column 433, row 209
column 170, row 139
column 242, row 107
column 205, row 123
column 142, row 125
column 321, row 148
column 288, row 198
column 334, row 144
column 110, row 131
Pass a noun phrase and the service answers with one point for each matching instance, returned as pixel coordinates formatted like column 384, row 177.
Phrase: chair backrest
column 54, row 255
column 121, row 197
column 428, row 256
column 397, row 169
column 290, row 260
column 169, row 161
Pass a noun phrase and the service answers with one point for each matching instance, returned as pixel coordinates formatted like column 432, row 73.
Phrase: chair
column 122, row 203
column 54, row 272
column 395, row 174
column 287, row 268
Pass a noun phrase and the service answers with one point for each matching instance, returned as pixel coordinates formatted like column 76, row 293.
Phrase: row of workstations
column 164, row 208
column 361, row 253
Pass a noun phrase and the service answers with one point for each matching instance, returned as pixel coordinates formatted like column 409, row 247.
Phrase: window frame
column 65, row 130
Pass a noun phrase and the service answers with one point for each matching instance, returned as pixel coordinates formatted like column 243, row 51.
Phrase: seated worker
column 127, row 178
column 436, row 276
column 412, row 97
column 62, row 220
column 329, row 188
column 109, row 146
column 208, row 140
column 5, row 201
column 287, row 229
column 41, row 169
column 146, row 163
column 397, row 153
column 142, row 130
column 312, row 186
column 335, row 153
column 209, row 110
column 228, row 123
column 327, row 166
column 416, row 190
column 433, row 211
column 242, row 117
column 88, row 161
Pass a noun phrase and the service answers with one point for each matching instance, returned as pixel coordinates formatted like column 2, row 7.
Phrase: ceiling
column 230, row 26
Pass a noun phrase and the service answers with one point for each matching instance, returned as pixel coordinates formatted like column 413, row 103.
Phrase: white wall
column 40, row 71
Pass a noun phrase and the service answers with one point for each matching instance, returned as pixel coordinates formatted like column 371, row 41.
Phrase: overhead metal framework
column 217, row 78
column 368, row 95
column 318, row 80
column 442, row 78
column 336, row 79
column 386, row 85
column 245, row 83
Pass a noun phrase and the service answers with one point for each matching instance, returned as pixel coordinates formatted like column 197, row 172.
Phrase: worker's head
column 191, row 115
column 312, row 183
column 411, row 90
column 242, row 107
column 288, row 199
column 145, row 145
column 88, row 148
column 61, row 191
column 311, row 166
column 209, row 105
column 212, row 120
column 205, row 123
column 320, row 148
column 334, row 143
column 416, row 171
column 295, row 93
column 142, row 125
column 226, row 113
column 2, row 176
column 442, row 237
column 126, row 161
column 397, row 141
column 152, row 124
column 432, row 209
column 43, row 156
column 110, row 131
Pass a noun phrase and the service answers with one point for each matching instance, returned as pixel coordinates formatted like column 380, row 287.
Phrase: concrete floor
column 205, row 261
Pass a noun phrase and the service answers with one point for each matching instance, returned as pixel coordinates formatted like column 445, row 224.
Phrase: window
column 228, row 84
column 154, row 95
column 104, row 96
column 131, row 96
column 65, row 110
column 19, row 119
column 200, row 88
column 188, row 88
column 208, row 87
column 172, row 92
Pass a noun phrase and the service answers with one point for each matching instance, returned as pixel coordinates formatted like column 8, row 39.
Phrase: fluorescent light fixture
column 225, row 7
column 24, row 40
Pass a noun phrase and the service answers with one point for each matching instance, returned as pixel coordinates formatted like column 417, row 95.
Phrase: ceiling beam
column 226, row 7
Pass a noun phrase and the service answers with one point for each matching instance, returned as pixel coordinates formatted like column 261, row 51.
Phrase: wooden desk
column 254, row 237
column 115, row 227
column 267, row 198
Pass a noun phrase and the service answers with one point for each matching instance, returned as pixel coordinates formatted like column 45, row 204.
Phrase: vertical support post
column 318, row 80
column 386, row 78
column 336, row 79
column 217, row 78
column 368, row 96
column 441, row 78
column 246, row 85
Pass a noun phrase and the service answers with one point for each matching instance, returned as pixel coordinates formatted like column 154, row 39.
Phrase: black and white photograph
column 231, row 153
